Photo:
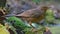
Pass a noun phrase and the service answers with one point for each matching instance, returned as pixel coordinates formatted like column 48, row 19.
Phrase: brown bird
column 33, row 15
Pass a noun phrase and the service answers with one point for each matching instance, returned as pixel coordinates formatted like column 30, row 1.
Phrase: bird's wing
column 31, row 13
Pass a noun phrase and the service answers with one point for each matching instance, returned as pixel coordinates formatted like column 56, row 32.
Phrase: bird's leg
column 32, row 26
column 30, row 23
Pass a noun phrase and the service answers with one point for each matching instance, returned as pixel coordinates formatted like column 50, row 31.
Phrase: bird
column 33, row 15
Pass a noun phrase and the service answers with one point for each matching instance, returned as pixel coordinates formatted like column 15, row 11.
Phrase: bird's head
column 44, row 8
